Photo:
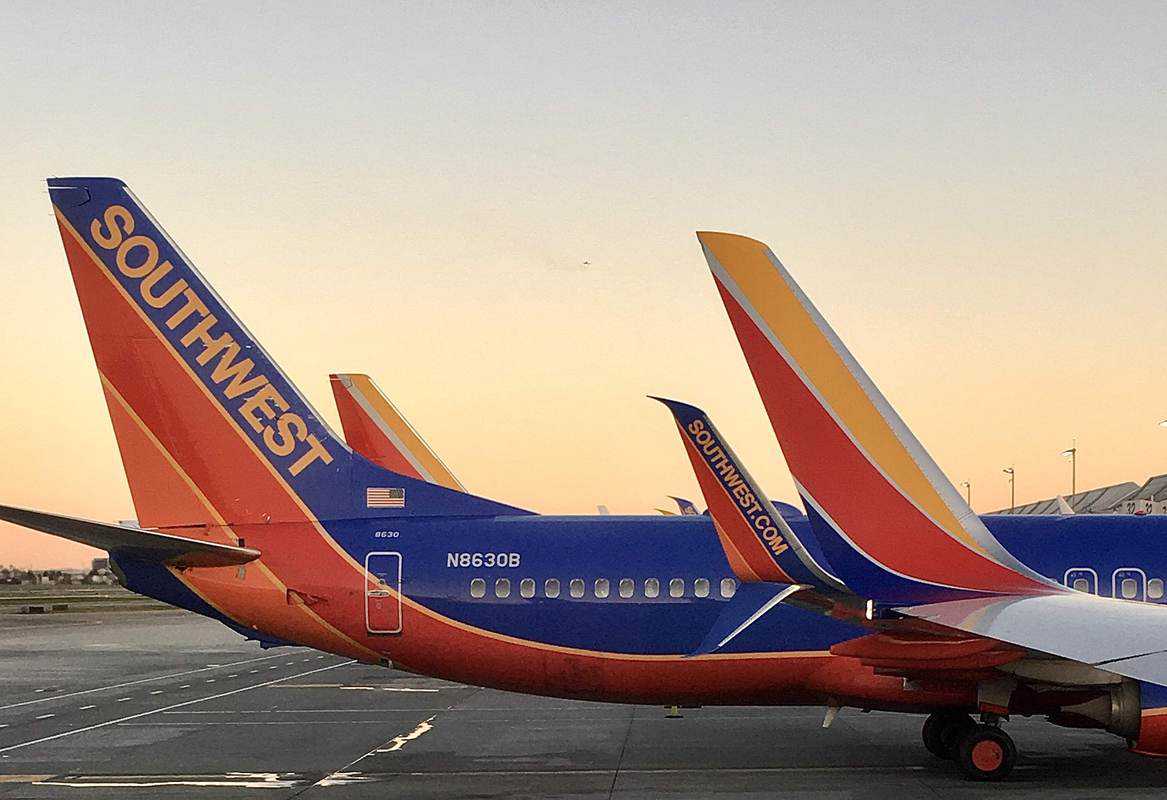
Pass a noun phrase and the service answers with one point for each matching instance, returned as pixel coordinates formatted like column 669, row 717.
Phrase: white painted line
column 134, row 683
column 156, row 691
column 121, row 699
column 210, row 680
column 398, row 742
column 184, row 686
column 46, row 716
column 86, row 708
column 233, row 676
column 252, row 671
column 38, row 691
column 5, row 725
column 345, row 774
column 243, row 780
column 107, row 723
column 277, row 666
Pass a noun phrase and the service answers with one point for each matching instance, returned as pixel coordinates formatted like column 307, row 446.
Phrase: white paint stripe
column 156, row 691
column 132, row 683
column 46, row 716
column 773, row 601
column 122, row 699
column 86, row 708
column 107, row 723
column 243, row 780
column 398, row 742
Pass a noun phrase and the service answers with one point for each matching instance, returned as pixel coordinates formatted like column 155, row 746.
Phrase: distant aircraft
column 686, row 507
column 890, row 594
column 376, row 429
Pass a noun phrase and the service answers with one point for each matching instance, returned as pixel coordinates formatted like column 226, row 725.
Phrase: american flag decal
column 384, row 498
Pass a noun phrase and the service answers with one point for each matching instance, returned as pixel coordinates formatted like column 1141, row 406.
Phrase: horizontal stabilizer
column 749, row 604
column 1120, row 636
column 176, row 551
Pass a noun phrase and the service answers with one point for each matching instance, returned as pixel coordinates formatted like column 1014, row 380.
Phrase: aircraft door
column 1129, row 583
column 383, row 592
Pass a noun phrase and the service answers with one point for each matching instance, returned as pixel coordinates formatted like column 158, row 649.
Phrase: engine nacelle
column 1117, row 710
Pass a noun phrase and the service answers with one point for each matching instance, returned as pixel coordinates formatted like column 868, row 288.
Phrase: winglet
column 904, row 529
column 377, row 430
column 758, row 542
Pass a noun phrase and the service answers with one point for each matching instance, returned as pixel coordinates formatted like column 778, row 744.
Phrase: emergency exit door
column 383, row 592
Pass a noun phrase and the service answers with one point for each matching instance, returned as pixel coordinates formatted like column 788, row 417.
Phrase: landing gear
column 986, row 753
column 943, row 732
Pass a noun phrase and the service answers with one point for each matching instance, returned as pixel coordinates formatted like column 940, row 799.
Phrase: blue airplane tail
column 211, row 431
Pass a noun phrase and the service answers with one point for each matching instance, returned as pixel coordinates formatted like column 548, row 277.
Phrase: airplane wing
column 377, row 430
column 176, row 551
column 1120, row 636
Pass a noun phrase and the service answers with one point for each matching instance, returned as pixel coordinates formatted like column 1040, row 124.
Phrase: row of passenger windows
column 1128, row 587
column 602, row 588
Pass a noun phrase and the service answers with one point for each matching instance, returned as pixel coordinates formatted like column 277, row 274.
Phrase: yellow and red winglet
column 376, row 429
column 900, row 530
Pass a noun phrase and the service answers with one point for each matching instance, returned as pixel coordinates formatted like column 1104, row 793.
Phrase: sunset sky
column 973, row 196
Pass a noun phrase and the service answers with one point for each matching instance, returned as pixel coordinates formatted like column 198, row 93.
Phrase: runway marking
column 139, row 715
column 252, row 671
column 38, row 691
column 132, row 683
column 210, row 680
column 121, row 699
column 243, row 780
column 46, row 716
column 233, row 676
column 398, row 742
column 184, row 686
column 5, row 725
column 343, row 687
column 86, row 708
column 156, row 691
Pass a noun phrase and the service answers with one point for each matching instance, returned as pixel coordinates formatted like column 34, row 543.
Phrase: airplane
column 374, row 428
column 886, row 594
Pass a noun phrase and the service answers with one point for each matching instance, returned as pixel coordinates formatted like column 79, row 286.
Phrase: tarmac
column 168, row 704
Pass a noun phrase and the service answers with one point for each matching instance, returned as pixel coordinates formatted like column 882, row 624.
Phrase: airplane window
column 1155, row 588
column 627, row 587
column 601, row 587
column 502, row 587
column 701, row 587
column 551, row 587
column 728, row 587
column 576, row 587
column 527, row 587
column 676, row 587
column 478, row 588
column 651, row 587
column 1130, row 588
column 1081, row 585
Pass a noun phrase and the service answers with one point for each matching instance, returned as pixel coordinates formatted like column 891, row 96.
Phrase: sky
column 972, row 194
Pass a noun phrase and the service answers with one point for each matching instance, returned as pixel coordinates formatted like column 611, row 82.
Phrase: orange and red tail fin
column 377, row 430
column 899, row 530
column 211, row 431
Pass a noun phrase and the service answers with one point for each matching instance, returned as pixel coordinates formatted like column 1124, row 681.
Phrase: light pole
column 1012, row 488
column 1072, row 454
column 967, row 492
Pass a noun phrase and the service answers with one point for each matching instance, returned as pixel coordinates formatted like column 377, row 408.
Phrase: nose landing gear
column 983, row 751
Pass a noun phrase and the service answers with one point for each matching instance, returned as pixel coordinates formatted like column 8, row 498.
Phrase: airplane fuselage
column 602, row 608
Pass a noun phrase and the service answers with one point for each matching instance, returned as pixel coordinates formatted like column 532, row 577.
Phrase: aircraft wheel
column 986, row 753
column 943, row 731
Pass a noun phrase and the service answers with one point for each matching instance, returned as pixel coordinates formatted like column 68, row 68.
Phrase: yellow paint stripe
column 748, row 263
column 437, row 472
